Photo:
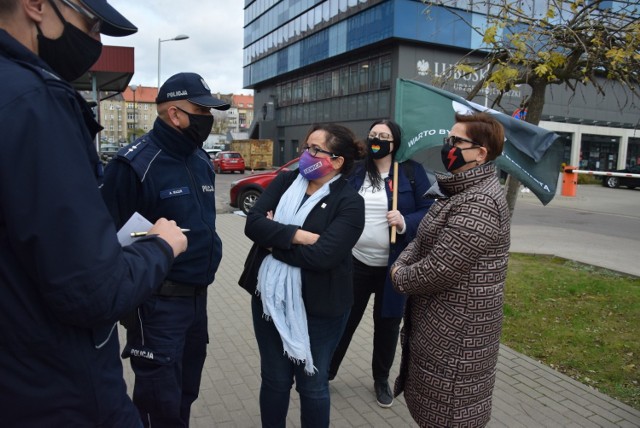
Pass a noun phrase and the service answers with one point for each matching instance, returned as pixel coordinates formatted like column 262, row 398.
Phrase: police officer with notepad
column 167, row 173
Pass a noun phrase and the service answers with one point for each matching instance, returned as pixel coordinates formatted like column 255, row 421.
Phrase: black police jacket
column 162, row 174
column 64, row 278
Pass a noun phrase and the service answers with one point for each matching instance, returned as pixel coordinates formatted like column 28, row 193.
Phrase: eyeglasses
column 313, row 151
column 452, row 140
column 383, row 136
column 95, row 23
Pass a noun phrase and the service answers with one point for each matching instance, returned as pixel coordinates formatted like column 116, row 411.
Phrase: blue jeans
column 278, row 371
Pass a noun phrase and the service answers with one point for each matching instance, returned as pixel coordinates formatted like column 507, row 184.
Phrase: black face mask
column 452, row 158
column 199, row 127
column 71, row 54
column 378, row 148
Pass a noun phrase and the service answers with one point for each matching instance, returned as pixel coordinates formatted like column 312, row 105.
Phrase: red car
column 245, row 192
column 228, row 161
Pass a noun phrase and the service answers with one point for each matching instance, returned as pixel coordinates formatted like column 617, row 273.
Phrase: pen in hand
column 139, row 234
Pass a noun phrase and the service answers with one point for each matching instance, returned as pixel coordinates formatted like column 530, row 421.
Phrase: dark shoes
column 384, row 397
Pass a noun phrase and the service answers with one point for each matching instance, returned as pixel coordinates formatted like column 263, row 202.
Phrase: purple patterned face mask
column 313, row 168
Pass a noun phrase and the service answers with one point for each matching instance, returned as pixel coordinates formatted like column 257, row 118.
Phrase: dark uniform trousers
column 167, row 347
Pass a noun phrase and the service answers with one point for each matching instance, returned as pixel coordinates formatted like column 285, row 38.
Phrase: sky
column 213, row 49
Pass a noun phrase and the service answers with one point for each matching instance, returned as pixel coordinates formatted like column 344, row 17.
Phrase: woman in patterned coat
column 454, row 273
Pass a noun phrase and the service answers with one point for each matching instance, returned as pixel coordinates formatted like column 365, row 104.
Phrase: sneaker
column 383, row 394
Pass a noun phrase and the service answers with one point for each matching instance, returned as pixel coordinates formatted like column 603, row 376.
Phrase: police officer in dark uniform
column 65, row 279
column 167, row 173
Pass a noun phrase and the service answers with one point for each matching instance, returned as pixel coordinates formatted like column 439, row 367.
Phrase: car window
column 232, row 155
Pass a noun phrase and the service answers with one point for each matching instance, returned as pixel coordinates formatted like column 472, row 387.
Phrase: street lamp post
column 133, row 89
column 178, row 37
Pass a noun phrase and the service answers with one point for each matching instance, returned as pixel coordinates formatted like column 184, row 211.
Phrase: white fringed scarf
column 280, row 284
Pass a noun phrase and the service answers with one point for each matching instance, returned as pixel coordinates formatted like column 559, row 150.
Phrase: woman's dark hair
column 341, row 141
column 483, row 129
column 369, row 164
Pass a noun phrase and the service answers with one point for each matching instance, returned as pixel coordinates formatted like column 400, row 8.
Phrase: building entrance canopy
column 111, row 73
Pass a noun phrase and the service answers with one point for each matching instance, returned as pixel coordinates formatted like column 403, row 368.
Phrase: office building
column 337, row 61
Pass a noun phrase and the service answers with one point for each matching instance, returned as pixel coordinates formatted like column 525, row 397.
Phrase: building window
column 344, row 81
column 331, row 84
column 385, row 73
column 296, row 92
column 354, row 76
column 598, row 152
column 372, row 104
column 364, row 76
column 384, row 105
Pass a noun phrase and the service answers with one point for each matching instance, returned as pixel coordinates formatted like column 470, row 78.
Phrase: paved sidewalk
column 527, row 393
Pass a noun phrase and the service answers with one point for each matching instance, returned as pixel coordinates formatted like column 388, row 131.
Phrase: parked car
column 630, row 182
column 108, row 151
column 228, row 161
column 245, row 192
column 212, row 152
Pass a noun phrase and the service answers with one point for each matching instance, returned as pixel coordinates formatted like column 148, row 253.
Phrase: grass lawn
column 580, row 320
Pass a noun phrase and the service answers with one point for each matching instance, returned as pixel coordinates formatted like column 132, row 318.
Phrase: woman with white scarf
column 300, row 273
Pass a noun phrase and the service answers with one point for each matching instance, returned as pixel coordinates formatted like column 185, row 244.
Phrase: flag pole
column 394, row 201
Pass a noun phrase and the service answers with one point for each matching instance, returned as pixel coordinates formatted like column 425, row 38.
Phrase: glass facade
column 402, row 38
column 296, row 33
column 565, row 139
column 598, row 153
column 282, row 36
column 365, row 28
column 288, row 21
column 352, row 91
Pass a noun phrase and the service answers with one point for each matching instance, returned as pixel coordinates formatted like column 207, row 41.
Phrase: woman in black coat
column 303, row 226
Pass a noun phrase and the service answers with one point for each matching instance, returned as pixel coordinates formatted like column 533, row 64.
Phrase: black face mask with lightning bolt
column 452, row 158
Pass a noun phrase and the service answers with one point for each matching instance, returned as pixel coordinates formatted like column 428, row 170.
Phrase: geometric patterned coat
column 454, row 273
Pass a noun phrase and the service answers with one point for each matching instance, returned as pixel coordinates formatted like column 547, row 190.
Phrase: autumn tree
column 568, row 42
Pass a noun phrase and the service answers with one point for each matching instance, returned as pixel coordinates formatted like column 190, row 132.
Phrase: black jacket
column 326, row 266
column 163, row 174
column 64, row 278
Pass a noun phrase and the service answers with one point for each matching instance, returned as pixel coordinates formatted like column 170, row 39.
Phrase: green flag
column 426, row 114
